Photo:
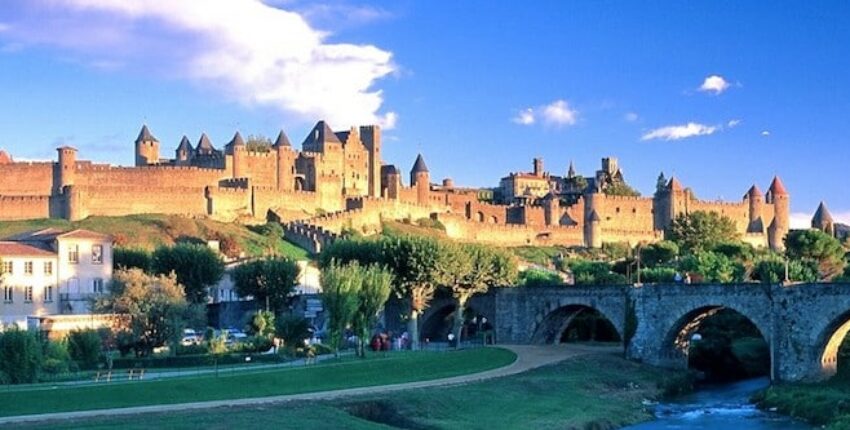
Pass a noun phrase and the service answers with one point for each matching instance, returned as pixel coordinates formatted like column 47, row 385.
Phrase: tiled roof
column 84, row 234
column 282, row 140
column 5, row 158
column 204, row 145
column 22, row 249
column 320, row 134
column 45, row 234
column 184, row 145
column 145, row 135
column 419, row 165
column 822, row 216
column 777, row 188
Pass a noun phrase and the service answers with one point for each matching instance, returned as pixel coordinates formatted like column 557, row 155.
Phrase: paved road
column 528, row 357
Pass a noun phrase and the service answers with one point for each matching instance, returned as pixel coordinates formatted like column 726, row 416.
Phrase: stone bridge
column 803, row 324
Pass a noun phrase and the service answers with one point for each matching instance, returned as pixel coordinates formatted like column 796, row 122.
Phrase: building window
column 48, row 267
column 97, row 285
column 28, row 294
column 7, row 294
column 97, row 254
column 48, row 294
column 74, row 254
column 7, row 267
column 28, row 267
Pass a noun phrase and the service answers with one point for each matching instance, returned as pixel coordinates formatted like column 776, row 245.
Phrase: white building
column 225, row 291
column 51, row 272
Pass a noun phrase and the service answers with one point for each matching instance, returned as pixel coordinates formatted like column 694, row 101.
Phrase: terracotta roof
column 777, row 188
column 754, row 191
column 674, row 184
column 419, row 165
column 22, row 249
column 5, row 158
column 145, row 135
column 84, row 234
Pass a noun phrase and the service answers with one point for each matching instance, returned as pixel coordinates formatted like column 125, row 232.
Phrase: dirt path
column 528, row 357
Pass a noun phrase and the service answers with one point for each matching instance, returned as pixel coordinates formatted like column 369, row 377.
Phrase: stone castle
column 338, row 181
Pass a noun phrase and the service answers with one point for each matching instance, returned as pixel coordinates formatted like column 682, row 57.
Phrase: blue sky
column 460, row 82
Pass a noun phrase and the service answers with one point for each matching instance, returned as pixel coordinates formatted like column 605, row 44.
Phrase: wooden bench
column 105, row 375
column 135, row 373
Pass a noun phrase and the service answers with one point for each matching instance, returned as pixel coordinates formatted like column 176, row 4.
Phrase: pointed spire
column 674, row 184
column 205, row 146
column 236, row 141
column 185, row 145
column 822, row 216
column 145, row 135
column 571, row 171
column 777, row 188
column 753, row 192
column 419, row 165
column 5, row 158
column 282, row 140
column 320, row 135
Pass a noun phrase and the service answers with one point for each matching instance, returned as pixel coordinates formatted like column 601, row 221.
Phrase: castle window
column 28, row 268
column 97, row 285
column 28, row 294
column 74, row 254
column 618, row 210
column 48, row 267
column 48, row 294
column 634, row 210
column 8, row 267
column 97, row 254
column 7, row 294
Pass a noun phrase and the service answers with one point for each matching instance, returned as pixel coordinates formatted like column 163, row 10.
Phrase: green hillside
column 150, row 231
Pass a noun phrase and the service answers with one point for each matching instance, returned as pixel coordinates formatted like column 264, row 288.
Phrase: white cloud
column 733, row 123
column 714, row 84
column 803, row 220
column 524, row 117
column 631, row 117
column 765, row 133
column 676, row 132
column 245, row 50
column 559, row 113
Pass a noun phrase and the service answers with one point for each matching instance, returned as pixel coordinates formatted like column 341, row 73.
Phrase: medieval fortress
column 338, row 182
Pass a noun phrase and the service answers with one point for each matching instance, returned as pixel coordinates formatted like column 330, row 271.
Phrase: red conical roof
column 5, row 158
column 754, row 191
column 776, row 187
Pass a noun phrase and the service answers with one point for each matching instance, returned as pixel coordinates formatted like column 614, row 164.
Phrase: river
column 722, row 407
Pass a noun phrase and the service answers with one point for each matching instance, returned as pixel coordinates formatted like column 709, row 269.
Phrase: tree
column 700, row 230
column 620, row 189
column 293, row 329
column 197, row 268
column 84, row 347
column 129, row 258
column 270, row 281
column 361, row 250
column 594, row 273
column 20, row 357
column 155, row 306
column 473, row 269
column 375, row 288
column 817, row 247
column 771, row 270
column 258, row 143
column 418, row 263
column 659, row 253
column 340, row 286
column 714, row 267
column 263, row 324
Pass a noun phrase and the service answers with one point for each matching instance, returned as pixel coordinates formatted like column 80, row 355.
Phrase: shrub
column 293, row 329
column 658, row 253
column 657, row 275
column 193, row 349
column 595, row 273
column 20, row 356
column 56, row 358
column 539, row 278
column 129, row 258
column 84, row 347
column 430, row 223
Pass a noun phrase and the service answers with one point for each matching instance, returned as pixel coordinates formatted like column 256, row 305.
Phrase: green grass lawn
column 149, row 231
column 824, row 404
column 592, row 392
column 377, row 370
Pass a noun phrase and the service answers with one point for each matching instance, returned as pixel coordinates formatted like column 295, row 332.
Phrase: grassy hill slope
column 150, row 231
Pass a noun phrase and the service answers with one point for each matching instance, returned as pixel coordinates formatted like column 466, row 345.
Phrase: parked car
column 190, row 337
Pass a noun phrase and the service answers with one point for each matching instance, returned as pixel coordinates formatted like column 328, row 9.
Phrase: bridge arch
column 552, row 324
column 684, row 324
column 829, row 343
column 437, row 321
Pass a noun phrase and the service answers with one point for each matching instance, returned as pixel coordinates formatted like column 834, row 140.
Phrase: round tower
column 592, row 221
column 66, row 168
column 147, row 148
column 552, row 209
column 823, row 220
column 421, row 179
column 237, row 151
column 755, row 200
column 285, row 163
column 183, row 153
column 779, row 198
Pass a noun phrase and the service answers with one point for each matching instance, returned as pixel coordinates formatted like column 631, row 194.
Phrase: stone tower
column 669, row 203
column 421, row 179
column 592, row 221
column 183, row 153
column 823, row 220
column 370, row 135
column 538, row 167
column 237, row 151
column 778, row 229
column 65, row 170
column 285, row 162
column 147, row 148
column 755, row 201
column 552, row 209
